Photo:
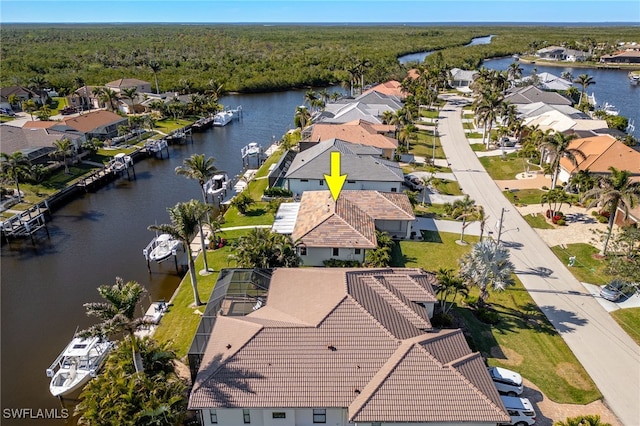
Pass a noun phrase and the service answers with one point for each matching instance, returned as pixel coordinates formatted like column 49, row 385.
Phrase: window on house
column 213, row 417
column 335, row 252
column 304, row 180
column 356, row 251
column 279, row 415
column 394, row 189
column 319, row 415
column 321, row 182
column 246, row 416
column 303, row 251
column 351, row 181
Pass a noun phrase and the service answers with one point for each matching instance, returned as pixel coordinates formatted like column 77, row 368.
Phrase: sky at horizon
column 314, row 11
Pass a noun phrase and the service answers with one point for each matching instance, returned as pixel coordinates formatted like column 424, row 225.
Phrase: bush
column 442, row 320
column 556, row 218
column 338, row 263
column 561, row 222
column 487, row 316
column 545, row 188
column 602, row 219
column 604, row 213
column 277, row 191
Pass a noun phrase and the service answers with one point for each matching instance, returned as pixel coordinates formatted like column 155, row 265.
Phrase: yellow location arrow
column 335, row 180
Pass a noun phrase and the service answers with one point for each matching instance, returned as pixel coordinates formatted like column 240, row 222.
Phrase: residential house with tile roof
column 35, row 142
column 127, row 83
column 85, row 98
column 532, row 94
column 390, row 88
column 97, row 124
column 558, row 53
column 345, row 229
column 461, row 79
column 358, row 131
column 369, row 106
column 363, row 165
column 626, row 57
column 341, row 347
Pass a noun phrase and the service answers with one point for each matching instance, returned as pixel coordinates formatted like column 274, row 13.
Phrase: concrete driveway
column 609, row 355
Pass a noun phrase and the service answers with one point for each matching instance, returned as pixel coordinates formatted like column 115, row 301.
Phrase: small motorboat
column 77, row 364
column 634, row 78
column 163, row 246
column 222, row 118
column 120, row 162
column 217, row 185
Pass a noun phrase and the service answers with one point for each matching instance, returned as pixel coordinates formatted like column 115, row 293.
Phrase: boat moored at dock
column 217, row 186
column 161, row 247
column 77, row 364
column 222, row 118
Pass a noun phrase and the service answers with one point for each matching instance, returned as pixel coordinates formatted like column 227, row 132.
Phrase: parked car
column 520, row 410
column 616, row 289
column 8, row 112
column 67, row 110
column 414, row 183
column 506, row 381
column 506, row 142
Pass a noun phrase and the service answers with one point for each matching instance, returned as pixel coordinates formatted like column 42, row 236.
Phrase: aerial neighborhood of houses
column 352, row 345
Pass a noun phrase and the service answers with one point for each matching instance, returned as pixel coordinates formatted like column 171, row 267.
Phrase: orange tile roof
column 358, row 131
column 40, row 124
column 391, row 88
column 92, row 120
column 355, row 339
column 603, row 152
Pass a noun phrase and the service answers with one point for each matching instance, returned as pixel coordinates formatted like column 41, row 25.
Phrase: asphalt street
column 609, row 355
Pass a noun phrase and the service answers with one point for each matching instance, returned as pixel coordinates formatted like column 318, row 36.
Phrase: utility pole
column 500, row 224
column 435, row 134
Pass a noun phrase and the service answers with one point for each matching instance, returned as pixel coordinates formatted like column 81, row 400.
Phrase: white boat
column 163, row 246
column 120, row 162
column 251, row 149
column 634, row 78
column 217, row 185
column 609, row 109
column 222, row 118
column 77, row 364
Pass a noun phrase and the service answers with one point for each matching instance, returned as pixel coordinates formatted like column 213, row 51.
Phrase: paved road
column 609, row 355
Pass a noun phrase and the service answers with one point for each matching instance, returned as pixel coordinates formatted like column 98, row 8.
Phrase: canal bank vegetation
column 252, row 58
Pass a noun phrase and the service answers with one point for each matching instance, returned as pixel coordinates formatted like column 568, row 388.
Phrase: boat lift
column 151, row 246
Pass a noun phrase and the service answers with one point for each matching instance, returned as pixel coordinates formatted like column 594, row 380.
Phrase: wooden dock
column 27, row 223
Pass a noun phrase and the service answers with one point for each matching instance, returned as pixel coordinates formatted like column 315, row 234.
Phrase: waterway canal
column 100, row 236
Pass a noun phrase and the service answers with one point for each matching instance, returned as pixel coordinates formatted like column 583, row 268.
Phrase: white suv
column 520, row 410
column 506, row 381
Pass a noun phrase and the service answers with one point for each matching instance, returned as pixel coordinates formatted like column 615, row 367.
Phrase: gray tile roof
column 345, row 338
column 531, row 94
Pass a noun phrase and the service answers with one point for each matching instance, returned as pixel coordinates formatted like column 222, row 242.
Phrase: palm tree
column 302, row 117
column 584, row 420
column 450, row 284
column 44, row 113
column 130, row 93
column 555, row 198
column 80, row 83
column 15, row 167
column 514, row 72
column 487, row 266
column 155, row 68
column 199, row 168
column 378, row 258
column 487, row 107
column 63, row 148
column 558, row 147
column 310, row 97
column 585, row 81
column 38, row 82
column 242, row 201
column 109, row 97
column 185, row 223
column 583, row 181
column 29, row 106
column 261, row 248
column 117, row 314
column 613, row 192
column 466, row 208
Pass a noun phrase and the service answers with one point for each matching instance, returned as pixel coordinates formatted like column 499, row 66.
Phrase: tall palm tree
column 450, row 284
column 117, row 314
column 466, row 208
column 185, row 223
column 585, row 81
column 613, row 192
column 15, row 167
column 29, row 106
column 130, row 93
column 487, row 107
column 557, row 146
column 63, row 148
column 38, row 82
column 514, row 72
column 487, row 266
column 302, row 117
column 199, row 168
column 155, row 68
column 109, row 97
column 310, row 97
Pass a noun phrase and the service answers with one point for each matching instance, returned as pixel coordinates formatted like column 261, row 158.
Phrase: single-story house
column 558, row 53
column 602, row 152
column 363, row 165
column 369, row 106
column 21, row 93
column 389, row 88
column 358, row 131
column 333, row 346
column 559, row 122
column 548, row 81
column 127, row 83
column 165, row 98
column 532, row 94
column 34, row 143
column 626, row 57
column 462, row 79
column 97, row 124
column 345, row 229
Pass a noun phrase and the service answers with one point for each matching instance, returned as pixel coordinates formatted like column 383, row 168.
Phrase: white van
column 520, row 410
column 506, row 381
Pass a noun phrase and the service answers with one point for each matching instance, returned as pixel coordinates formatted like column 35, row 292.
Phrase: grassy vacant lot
column 503, row 169
column 525, row 341
column 629, row 320
column 524, row 196
column 538, row 221
column 587, row 268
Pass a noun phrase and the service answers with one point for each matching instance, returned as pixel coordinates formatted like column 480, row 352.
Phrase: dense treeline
column 254, row 58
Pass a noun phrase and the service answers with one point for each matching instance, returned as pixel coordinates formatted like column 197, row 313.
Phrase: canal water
column 612, row 86
column 100, row 236
column 419, row 57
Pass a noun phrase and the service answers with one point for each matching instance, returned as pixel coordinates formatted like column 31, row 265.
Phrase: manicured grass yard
column 500, row 169
column 629, row 320
column 168, row 125
column 447, row 187
column 524, row 196
column 587, row 268
column 424, row 145
column 538, row 221
column 438, row 250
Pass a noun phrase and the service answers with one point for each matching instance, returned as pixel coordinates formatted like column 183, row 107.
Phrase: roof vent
column 228, row 346
column 332, row 348
column 357, row 391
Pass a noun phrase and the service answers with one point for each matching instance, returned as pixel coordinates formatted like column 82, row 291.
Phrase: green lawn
column 438, row 250
column 474, row 135
column 168, row 125
column 447, row 187
column 421, row 167
column 478, row 147
column 586, row 268
column 430, row 113
column 629, row 320
column 538, row 221
column 435, row 211
column 424, row 145
column 526, row 342
column 468, row 116
column 524, row 196
column 500, row 169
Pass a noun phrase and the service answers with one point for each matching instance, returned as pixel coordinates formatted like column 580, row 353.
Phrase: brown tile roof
column 603, row 152
column 87, row 122
column 357, row 131
column 341, row 350
column 126, row 82
column 40, row 124
column 350, row 222
column 391, row 88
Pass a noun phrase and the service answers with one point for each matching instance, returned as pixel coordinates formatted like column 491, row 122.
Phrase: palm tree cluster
column 15, row 167
column 489, row 104
column 381, row 256
column 451, row 286
column 487, row 266
column 261, row 248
